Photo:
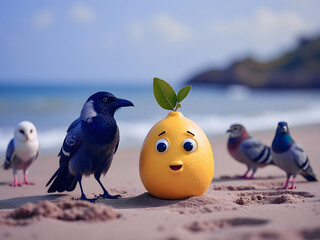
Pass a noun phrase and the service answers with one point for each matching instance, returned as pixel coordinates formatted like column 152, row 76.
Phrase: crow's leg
column 83, row 196
column 105, row 192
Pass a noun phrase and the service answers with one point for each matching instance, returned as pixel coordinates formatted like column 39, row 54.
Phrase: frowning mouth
column 175, row 167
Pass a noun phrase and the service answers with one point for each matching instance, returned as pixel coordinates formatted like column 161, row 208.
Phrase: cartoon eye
column 105, row 99
column 189, row 145
column 162, row 145
column 21, row 131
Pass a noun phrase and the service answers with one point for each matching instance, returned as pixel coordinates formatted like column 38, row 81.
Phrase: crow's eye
column 189, row 145
column 162, row 145
column 105, row 99
column 21, row 131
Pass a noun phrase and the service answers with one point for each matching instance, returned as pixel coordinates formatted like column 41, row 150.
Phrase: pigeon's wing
column 256, row 151
column 9, row 155
column 302, row 161
column 71, row 142
column 300, row 156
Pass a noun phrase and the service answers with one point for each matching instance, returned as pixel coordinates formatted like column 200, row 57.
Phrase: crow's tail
column 309, row 174
column 63, row 180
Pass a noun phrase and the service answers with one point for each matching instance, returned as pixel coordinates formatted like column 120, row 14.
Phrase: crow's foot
column 107, row 195
column 84, row 198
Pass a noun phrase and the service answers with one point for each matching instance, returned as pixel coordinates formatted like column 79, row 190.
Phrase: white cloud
column 43, row 19
column 162, row 28
column 263, row 32
column 136, row 31
column 82, row 13
column 263, row 24
column 170, row 29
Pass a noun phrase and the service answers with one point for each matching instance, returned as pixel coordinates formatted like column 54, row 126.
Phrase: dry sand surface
column 230, row 209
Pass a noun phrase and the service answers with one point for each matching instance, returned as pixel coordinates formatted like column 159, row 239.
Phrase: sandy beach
column 230, row 209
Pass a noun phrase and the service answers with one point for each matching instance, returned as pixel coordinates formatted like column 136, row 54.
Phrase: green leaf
column 164, row 94
column 183, row 93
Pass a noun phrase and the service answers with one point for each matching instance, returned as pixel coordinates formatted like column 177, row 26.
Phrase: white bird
column 22, row 151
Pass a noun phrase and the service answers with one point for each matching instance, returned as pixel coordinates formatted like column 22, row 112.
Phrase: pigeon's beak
column 229, row 130
column 284, row 129
column 124, row 103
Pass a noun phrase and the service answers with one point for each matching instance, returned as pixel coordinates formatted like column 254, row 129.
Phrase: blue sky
column 120, row 41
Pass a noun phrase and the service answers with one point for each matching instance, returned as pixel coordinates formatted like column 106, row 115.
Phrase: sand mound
column 201, row 204
column 279, row 197
column 68, row 211
column 213, row 225
column 233, row 188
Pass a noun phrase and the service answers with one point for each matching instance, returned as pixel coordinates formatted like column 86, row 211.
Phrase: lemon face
column 176, row 159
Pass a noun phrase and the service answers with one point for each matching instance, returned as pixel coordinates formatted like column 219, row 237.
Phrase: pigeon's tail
column 62, row 180
column 309, row 174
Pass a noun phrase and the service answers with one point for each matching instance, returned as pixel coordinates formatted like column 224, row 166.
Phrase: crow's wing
column 71, row 142
column 70, row 145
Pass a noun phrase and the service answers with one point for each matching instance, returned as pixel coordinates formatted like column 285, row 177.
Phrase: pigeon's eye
column 31, row 131
column 21, row 131
column 105, row 99
column 189, row 145
column 162, row 145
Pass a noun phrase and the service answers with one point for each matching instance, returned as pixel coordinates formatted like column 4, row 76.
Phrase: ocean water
column 214, row 109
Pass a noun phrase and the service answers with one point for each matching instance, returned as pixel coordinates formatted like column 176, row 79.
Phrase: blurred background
column 250, row 62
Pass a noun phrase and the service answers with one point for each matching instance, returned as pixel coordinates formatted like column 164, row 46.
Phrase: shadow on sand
column 12, row 203
column 145, row 200
column 227, row 178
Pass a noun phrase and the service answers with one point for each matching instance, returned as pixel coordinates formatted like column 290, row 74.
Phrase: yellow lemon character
column 176, row 159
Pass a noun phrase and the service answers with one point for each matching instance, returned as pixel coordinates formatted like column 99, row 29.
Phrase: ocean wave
column 133, row 132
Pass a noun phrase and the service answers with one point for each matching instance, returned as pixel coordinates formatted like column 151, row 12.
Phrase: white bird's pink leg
column 25, row 180
column 15, row 178
column 15, row 182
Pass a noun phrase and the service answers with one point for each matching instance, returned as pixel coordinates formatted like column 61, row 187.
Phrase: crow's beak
column 124, row 103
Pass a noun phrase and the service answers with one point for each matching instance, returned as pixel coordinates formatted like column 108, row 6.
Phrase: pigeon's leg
column 286, row 185
column 105, row 192
column 25, row 181
column 83, row 196
column 244, row 176
column 253, row 172
column 15, row 179
column 293, row 185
